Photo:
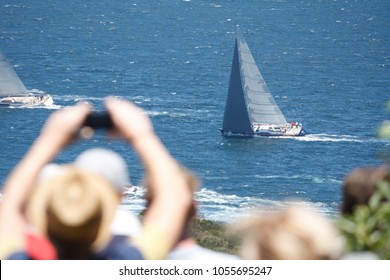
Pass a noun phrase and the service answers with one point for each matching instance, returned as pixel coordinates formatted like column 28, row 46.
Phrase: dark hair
column 359, row 186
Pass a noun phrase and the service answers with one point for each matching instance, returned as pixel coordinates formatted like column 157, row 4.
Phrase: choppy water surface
column 326, row 63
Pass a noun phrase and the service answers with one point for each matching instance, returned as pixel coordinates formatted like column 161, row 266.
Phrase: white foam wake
column 224, row 207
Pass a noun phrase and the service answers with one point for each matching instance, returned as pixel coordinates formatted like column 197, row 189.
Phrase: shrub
column 368, row 228
column 212, row 235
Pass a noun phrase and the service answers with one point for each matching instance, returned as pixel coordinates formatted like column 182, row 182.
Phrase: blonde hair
column 290, row 234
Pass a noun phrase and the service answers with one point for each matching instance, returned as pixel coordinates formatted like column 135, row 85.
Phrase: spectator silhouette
column 74, row 209
column 112, row 167
column 294, row 233
column 361, row 221
column 186, row 247
column 359, row 186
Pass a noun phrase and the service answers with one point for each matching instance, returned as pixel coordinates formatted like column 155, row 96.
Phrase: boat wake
column 48, row 107
column 225, row 207
column 333, row 138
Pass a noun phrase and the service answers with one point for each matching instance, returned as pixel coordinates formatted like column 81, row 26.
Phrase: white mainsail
column 261, row 105
column 10, row 84
column 12, row 90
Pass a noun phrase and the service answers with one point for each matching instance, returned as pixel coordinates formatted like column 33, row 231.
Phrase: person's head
column 107, row 164
column 74, row 209
column 290, row 234
column 112, row 167
column 103, row 162
column 359, row 185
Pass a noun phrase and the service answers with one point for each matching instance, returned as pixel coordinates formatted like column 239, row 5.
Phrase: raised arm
column 58, row 131
column 165, row 217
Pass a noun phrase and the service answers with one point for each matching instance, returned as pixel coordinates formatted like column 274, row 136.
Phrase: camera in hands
column 99, row 120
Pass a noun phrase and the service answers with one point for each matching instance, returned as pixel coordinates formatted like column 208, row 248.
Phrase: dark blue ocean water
column 326, row 63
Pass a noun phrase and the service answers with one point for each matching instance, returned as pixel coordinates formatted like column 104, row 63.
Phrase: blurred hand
column 130, row 120
column 63, row 125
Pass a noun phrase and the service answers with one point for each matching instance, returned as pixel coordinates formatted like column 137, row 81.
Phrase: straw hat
column 72, row 204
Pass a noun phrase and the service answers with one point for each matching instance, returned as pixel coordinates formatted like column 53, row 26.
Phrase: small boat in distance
column 250, row 107
column 13, row 93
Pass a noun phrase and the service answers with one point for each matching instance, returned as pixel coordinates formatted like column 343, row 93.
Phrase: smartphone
column 99, row 120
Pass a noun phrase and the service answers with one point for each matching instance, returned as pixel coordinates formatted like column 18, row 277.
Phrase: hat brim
column 39, row 201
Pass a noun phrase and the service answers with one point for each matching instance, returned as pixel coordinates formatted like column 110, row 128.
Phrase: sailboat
column 250, row 108
column 13, row 93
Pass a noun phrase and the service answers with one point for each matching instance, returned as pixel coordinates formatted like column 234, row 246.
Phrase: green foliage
column 368, row 229
column 212, row 235
column 384, row 129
